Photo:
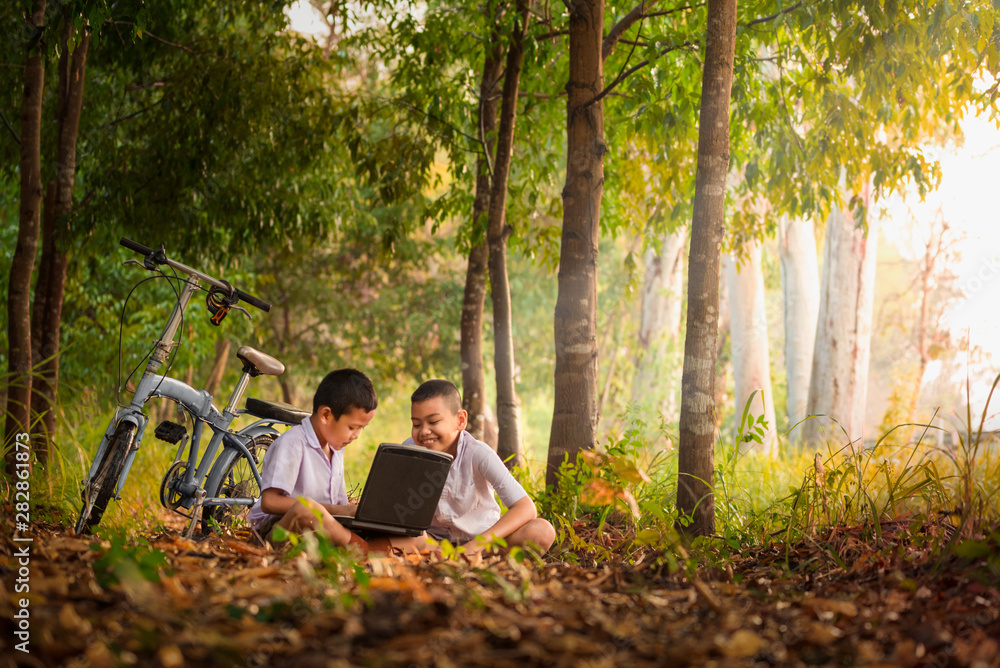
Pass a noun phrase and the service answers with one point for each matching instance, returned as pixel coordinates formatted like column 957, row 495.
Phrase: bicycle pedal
column 170, row 432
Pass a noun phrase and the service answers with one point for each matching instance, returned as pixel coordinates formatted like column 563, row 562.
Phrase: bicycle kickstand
column 196, row 512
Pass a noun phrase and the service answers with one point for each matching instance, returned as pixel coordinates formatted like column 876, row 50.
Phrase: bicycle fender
column 258, row 428
column 232, row 447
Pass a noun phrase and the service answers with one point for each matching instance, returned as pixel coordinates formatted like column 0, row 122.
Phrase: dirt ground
column 832, row 600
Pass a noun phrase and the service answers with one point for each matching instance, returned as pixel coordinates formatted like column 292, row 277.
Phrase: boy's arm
column 520, row 513
column 276, row 502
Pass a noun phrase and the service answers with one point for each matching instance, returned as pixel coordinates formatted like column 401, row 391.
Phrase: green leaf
column 972, row 549
column 648, row 537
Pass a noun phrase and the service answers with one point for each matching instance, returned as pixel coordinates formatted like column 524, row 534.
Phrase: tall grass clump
column 81, row 427
column 618, row 501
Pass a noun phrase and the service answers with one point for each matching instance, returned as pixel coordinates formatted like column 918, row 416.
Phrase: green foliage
column 985, row 553
column 347, row 306
column 869, row 78
column 779, row 502
column 320, row 558
column 127, row 560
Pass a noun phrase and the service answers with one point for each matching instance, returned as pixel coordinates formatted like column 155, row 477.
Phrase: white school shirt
column 467, row 507
column 296, row 465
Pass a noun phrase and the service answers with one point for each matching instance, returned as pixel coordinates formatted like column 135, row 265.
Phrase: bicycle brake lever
column 242, row 310
column 127, row 262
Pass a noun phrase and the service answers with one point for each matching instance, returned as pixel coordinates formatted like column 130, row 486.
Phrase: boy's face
column 435, row 426
column 339, row 432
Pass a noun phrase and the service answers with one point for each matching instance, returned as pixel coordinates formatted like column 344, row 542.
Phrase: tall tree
column 748, row 334
column 51, row 286
column 575, row 418
column 839, row 383
column 19, row 362
column 474, row 398
column 935, row 282
column 509, row 446
column 695, row 463
column 660, row 319
column 800, row 299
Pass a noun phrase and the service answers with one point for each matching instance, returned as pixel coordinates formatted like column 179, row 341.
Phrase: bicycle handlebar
column 237, row 293
column 136, row 246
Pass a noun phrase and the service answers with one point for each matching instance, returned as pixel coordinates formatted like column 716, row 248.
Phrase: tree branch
column 674, row 10
column 551, row 34
column 82, row 203
column 155, row 84
column 625, row 73
column 11, row 129
column 540, row 96
column 158, row 39
column 637, row 13
column 417, row 110
column 765, row 19
column 132, row 115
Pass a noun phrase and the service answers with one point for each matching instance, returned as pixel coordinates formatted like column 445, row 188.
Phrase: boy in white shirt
column 467, row 508
column 308, row 461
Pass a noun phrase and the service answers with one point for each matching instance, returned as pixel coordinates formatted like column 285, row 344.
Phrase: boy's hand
column 350, row 511
column 474, row 546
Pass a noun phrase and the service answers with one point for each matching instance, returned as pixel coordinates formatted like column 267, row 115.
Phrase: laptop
column 401, row 492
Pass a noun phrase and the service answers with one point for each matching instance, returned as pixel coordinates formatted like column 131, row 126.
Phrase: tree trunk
column 800, row 293
column 23, row 262
column 575, row 416
column 509, row 446
column 695, row 464
column 285, row 335
column 287, row 395
column 723, row 349
column 72, row 70
column 751, row 358
column 843, row 334
column 41, row 291
column 473, row 380
column 660, row 321
column 214, row 379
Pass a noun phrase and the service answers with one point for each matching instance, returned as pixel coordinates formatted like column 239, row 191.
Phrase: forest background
column 334, row 175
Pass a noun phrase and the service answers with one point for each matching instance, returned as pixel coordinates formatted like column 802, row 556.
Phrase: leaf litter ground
column 160, row 600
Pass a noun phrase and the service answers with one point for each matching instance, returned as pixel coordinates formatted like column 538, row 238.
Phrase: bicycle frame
column 197, row 403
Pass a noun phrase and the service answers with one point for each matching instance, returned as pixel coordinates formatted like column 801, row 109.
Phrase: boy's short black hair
column 343, row 390
column 439, row 388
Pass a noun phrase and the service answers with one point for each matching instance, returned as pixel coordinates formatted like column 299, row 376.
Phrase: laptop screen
column 404, row 486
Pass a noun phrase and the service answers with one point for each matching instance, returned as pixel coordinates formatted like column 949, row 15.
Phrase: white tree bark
column 800, row 298
column 748, row 331
column 660, row 320
column 839, row 381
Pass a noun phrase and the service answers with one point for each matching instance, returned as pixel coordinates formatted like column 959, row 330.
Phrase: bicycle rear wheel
column 102, row 486
column 238, row 482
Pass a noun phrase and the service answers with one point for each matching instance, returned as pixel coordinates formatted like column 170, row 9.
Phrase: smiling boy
column 467, row 508
column 307, row 462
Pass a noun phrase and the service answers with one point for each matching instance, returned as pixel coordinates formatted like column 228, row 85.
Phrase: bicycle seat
column 275, row 410
column 258, row 363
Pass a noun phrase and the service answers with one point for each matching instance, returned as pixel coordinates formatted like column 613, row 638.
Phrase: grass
column 793, row 496
column 617, row 501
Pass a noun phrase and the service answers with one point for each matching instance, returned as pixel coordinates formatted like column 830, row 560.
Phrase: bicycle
column 220, row 496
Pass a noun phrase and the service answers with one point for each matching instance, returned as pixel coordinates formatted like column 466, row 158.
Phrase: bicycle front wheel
column 102, row 486
column 237, row 482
